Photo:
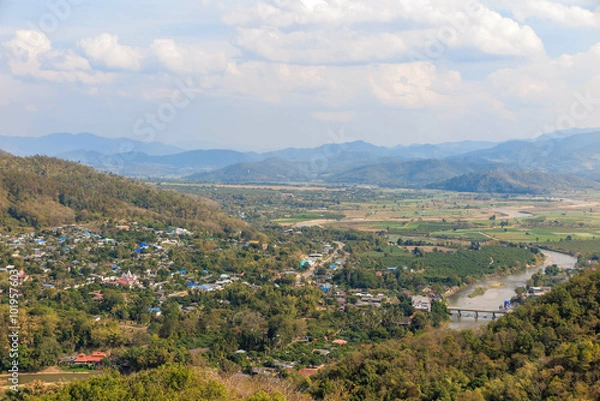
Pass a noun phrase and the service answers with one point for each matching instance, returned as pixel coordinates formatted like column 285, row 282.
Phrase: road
column 311, row 271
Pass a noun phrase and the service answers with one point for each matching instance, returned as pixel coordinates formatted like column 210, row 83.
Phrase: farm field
column 420, row 214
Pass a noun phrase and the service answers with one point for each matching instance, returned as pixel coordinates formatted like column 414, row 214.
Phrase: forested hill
column 41, row 191
column 274, row 170
column 408, row 174
column 516, row 182
column 548, row 349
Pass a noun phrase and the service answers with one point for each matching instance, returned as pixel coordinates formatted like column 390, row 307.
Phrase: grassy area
column 585, row 247
column 309, row 216
column 77, row 368
column 479, row 291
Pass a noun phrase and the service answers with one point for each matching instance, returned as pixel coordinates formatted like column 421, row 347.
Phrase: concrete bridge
column 477, row 311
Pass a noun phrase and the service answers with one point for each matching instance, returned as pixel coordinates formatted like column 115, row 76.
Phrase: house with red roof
column 94, row 359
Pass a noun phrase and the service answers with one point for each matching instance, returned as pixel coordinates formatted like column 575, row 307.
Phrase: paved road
column 311, row 271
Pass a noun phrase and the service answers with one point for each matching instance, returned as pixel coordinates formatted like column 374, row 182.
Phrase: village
column 76, row 258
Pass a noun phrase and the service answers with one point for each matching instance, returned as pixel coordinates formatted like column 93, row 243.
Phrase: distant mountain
column 515, row 182
column 273, row 170
column 203, row 159
column 577, row 154
column 411, row 152
column 574, row 152
column 63, row 143
column 328, row 151
column 141, row 159
column 330, row 160
column 566, row 133
column 138, row 164
column 407, row 174
column 440, row 151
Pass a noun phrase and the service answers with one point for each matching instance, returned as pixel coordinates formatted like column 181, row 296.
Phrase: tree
column 417, row 252
column 552, row 270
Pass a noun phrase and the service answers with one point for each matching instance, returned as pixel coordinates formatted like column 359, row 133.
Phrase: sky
column 269, row 74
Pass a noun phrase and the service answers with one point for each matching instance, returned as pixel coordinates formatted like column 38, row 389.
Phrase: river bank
column 453, row 290
column 48, row 376
column 494, row 298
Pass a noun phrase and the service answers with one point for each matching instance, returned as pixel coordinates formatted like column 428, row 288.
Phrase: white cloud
column 404, row 85
column 23, row 51
column 327, row 31
column 69, row 61
column 187, row 59
column 547, row 93
column 272, row 82
column 322, row 46
column 30, row 53
column 568, row 13
column 412, row 85
column 549, row 79
column 106, row 51
column 494, row 34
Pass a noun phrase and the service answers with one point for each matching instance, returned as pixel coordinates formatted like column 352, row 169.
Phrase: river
column 504, row 290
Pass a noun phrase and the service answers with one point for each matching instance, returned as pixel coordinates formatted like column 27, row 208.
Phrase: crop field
column 465, row 217
column 420, row 214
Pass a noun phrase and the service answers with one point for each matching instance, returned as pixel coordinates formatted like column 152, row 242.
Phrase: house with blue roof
column 155, row 311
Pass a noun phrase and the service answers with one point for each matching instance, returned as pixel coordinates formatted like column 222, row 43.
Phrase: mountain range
column 463, row 166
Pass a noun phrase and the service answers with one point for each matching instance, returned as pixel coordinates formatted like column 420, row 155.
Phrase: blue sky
column 267, row 74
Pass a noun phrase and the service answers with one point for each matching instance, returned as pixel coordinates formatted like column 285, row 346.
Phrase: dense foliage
column 41, row 191
column 547, row 349
column 166, row 383
column 587, row 250
column 415, row 269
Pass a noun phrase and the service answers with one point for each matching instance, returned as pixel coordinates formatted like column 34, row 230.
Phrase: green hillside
column 516, row 182
column 40, row 191
column 548, row 349
column 170, row 382
column 571, row 154
column 274, row 170
column 407, row 174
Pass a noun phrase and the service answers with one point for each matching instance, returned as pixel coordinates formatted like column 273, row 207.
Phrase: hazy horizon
column 183, row 146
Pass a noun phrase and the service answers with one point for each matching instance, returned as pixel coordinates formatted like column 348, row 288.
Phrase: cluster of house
column 52, row 250
column 423, row 302
column 218, row 284
column 65, row 249
column 360, row 298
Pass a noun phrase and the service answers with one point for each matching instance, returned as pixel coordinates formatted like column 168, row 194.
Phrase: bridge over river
column 496, row 294
column 460, row 310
